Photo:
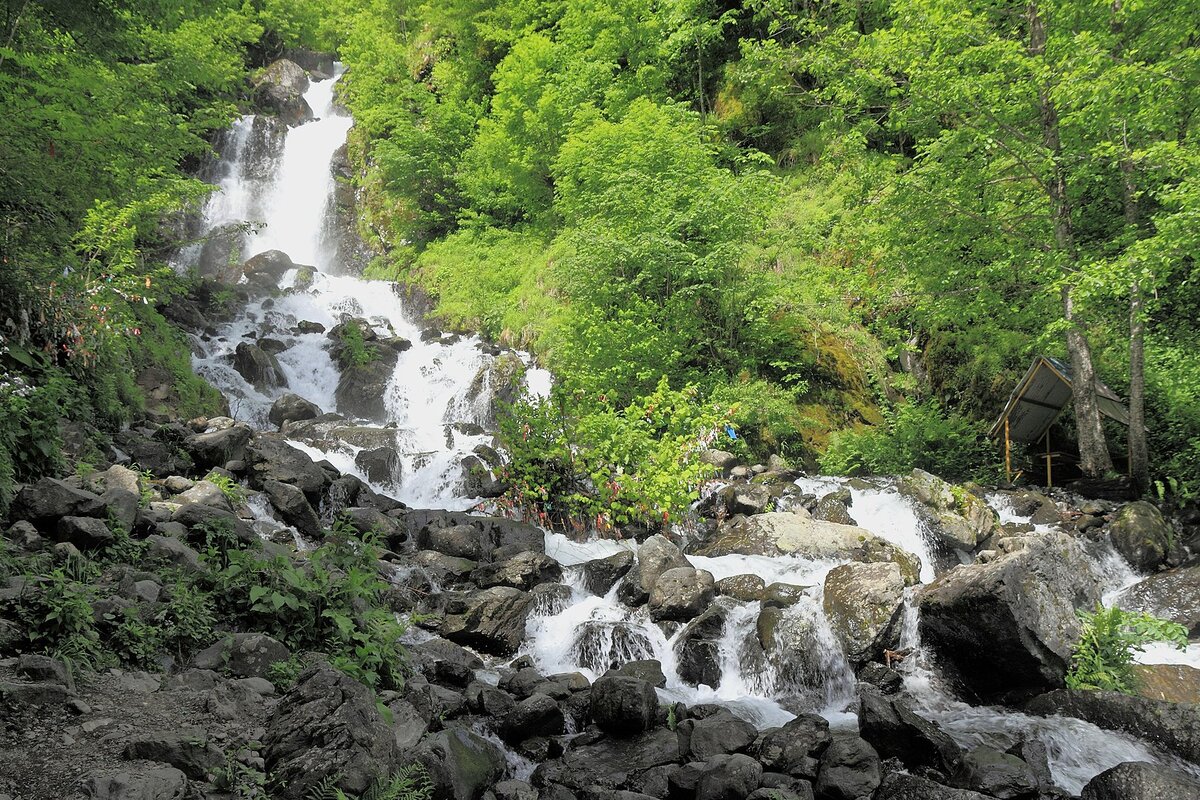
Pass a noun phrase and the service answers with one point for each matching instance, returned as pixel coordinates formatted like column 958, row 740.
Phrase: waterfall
column 437, row 400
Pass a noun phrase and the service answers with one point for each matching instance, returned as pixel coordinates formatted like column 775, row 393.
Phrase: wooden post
column 1007, row 451
column 1049, row 476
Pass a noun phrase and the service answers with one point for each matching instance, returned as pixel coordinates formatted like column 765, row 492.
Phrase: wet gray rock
column 834, row 507
column 795, row 748
column 902, row 786
column 461, row 764
column 269, row 457
column 956, row 517
column 280, row 88
column 998, row 774
column 608, row 763
column 849, row 770
column 189, row 751
column 722, row 461
column 293, row 508
column 196, row 518
column 522, row 571
column 655, row 556
column 205, row 493
column 216, row 448
column 292, row 408
column 327, row 725
column 1141, row 535
column 536, row 715
column 1141, row 781
column 747, row 588
column 797, row 533
column 601, row 574
column 1174, row 727
column 863, row 605
column 362, row 388
column 623, row 706
column 697, row 648
column 260, row 369
column 681, row 593
column 491, row 620
column 728, row 777
column 745, row 498
column 268, row 268
column 895, row 730
column 718, row 734
column 243, row 655
column 1173, row 595
column 381, row 464
column 1018, row 611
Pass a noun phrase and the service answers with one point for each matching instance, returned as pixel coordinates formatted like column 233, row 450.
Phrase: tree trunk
column 1139, row 452
column 1094, row 459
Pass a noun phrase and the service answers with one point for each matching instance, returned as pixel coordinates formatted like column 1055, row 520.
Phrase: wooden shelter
column 1036, row 402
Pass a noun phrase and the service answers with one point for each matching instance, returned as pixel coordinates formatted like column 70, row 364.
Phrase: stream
column 437, row 412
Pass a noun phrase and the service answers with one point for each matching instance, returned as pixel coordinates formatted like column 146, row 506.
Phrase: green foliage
column 914, row 435
column 234, row 492
column 332, row 602
column 57, row 616
column 1103, row 659
column 407, row 783
column 353, row 350
column 579, row 463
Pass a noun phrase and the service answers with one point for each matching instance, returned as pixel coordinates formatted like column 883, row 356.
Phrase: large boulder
column 1174, row 727
column 137, row 783
column 698, row 648
column 260, row 368
column 536, row 715
column 446, row 532
column 622, row 705
column 728, row 777
column 243, row 655
column 895, row 730
column 491, row 620
column 1009, row 626
column 188, row 750
column 219, row 445
column 219, row 260
column 655, row 556
column 795, row 748
column 607, row 763
column 1141, row 535
column 1177, row 683
column 998, row 774
column 522, row 571
column 362, row 388
column 863, row 605
column 1173, row 595
column 1137, row 780
column 601, row 574
column 681, row 593
column 292, row 408
column 902, row 786
column 849, row 769
column 716, row 735
column 86, row 533
column 46, row 501
column 327, row 726
column 461, row 764
column 280, row 88
column 956, row 517
column 267, row 268
column 293, row 508
column 269, row 457
column 797, row 533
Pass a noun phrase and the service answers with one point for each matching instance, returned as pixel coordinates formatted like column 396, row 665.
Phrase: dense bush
column 1104, row 657
column 595, row 464
column 914, row 435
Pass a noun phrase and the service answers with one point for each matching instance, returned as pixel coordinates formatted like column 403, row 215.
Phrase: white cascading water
column 435, row 383
column 809, row 672
column 802, row 669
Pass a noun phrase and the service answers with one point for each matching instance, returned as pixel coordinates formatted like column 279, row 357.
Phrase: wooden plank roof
column 1040, row 397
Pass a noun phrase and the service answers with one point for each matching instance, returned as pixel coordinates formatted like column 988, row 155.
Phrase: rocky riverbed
column 485, row 718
